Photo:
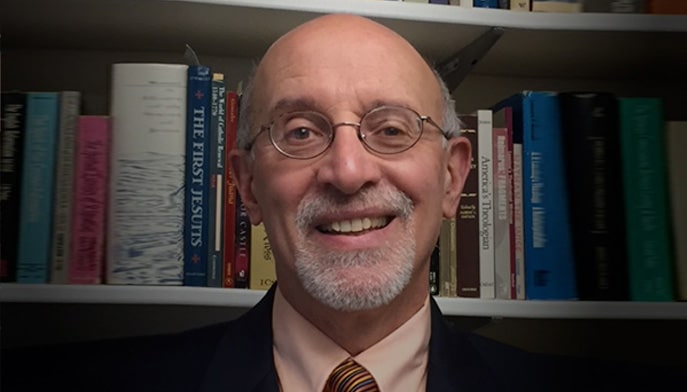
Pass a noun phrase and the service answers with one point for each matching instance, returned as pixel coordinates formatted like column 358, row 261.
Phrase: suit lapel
column 454, row 363
column 244, row 359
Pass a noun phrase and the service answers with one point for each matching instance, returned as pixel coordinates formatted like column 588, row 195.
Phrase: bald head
column 338, row 63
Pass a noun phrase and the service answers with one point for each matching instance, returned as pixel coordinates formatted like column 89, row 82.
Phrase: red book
column 230, row 192
column 90, row 199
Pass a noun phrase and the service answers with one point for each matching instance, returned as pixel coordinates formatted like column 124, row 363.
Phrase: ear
column 458, row 161
column 242, row 175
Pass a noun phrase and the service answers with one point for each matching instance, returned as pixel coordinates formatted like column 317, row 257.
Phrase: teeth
column 355, row 225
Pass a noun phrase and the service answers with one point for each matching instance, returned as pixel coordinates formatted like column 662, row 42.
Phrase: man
column 349, row 153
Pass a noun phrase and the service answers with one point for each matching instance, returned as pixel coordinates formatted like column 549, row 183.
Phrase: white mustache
column 383, row 197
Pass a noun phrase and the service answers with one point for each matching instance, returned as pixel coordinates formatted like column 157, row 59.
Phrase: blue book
column 196, row 239
column 38, row 176
column 549, row 262
column 486, row 3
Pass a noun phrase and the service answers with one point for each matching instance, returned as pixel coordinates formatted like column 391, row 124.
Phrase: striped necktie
column 349, row 376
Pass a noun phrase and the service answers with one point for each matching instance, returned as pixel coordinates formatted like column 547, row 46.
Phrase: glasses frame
column 357, row 125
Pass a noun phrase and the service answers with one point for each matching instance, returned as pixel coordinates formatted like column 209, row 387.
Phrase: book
column 518, row 222
column 448, row 274
column 38, row 176
column 485, row 3
column 230, row 192
column 591, row 136
column 434, row 273
column 520, row 5
column 467, row 222
column 676, row 142
column 242, row 246
column 262, row 270
column 666, row 7
column 216, row 191
column 646, row 199
column 557, row 5
column 549, row 264
column 12, row 135
column 504, row 262
column 196, row 229
column 485, row 170
column 614, row 6
column 146, row 194
column 91, row 164
column 61, row 255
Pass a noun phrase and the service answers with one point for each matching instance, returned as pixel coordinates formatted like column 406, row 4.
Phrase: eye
column 301, row 133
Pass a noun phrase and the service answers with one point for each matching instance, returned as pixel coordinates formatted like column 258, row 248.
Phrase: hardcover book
column 146, row 202
column 614, row 6
column 61, row 255
column 90, row 200
column 262, row 271
column 232, row 98
column 38, row 176
column 12, row 134
column 242, row 246
column 216, row 191
column 557, row 5
column 504, row 270
column 676, row 135
column 591, row 136
column 196, row 241
column 485, row 169
column 646, row 199
column 467, row 219
column 549, row 264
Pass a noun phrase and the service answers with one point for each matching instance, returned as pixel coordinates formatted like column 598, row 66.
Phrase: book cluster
column 571, row 195
column 664, row 7
column 142, row 195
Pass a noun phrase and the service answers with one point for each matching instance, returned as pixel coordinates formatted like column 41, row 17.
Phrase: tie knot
column 350, row 376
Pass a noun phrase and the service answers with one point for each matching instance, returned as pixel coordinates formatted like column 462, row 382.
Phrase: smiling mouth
column 355, row 226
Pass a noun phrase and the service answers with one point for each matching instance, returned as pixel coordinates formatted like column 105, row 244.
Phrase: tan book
column 262, row 273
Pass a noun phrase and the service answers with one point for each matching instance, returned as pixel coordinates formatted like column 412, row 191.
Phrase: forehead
column 352, row 64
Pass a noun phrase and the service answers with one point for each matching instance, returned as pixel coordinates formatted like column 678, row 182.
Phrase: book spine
column 70, row 108
column 42, row 121
column 12, row 134
column 502, row 215
column 467, row 226
column 518, row 222
column 676, row 135
column 591, row 137
column 485, row 170
column 644, row 176
column 557, row 5
column 262, row 272
column 549, row 264
column 90, row 200
column 614, row 6
column 486, row 3
column 242, row 249
column 196, row 241
column 434, row 270
column 145, row 224
column 520, row 5
column 232, row 99
column 216, row 195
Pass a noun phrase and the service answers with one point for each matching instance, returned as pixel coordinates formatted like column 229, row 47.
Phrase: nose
column 347, row 165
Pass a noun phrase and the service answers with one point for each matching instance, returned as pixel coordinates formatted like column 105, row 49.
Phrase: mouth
column 355, row 226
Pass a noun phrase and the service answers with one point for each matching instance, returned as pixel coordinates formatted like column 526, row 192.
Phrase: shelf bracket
column 455, row 68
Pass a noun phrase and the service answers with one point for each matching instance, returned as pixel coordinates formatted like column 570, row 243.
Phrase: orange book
column 667, row 7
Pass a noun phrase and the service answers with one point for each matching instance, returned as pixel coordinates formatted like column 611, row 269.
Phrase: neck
column 357, row 331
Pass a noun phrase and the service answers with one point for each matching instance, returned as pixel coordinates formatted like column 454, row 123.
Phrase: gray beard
column 361, row 279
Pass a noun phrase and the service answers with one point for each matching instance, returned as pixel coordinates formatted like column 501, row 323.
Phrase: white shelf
column 534, row 44
column 201, row 296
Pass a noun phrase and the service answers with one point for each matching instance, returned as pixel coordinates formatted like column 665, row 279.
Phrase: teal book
column 549, row 262
column 38, row 177
column 647, row 200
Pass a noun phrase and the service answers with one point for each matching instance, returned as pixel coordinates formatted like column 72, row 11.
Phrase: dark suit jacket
column 237, row 356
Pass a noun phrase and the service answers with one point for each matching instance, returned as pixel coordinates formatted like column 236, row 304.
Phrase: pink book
column 90, row 199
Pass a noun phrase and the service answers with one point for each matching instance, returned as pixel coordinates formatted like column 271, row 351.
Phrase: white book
column 70, row 109
column 485, row 173
column 676, row 135
column 146, row 200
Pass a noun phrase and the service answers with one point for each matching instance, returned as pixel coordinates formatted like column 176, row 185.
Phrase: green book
column 648, row 224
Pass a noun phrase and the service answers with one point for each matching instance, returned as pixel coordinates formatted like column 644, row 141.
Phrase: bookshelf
column 240, row 298
column 69, row 44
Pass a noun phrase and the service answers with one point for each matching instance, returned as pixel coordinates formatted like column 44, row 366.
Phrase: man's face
column 350, row 227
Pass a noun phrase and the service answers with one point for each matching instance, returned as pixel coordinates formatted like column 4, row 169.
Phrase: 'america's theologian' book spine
column 196, row 241
column 146, row 201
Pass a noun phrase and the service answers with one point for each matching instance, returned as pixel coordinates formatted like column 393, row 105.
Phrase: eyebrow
column 309, row 103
